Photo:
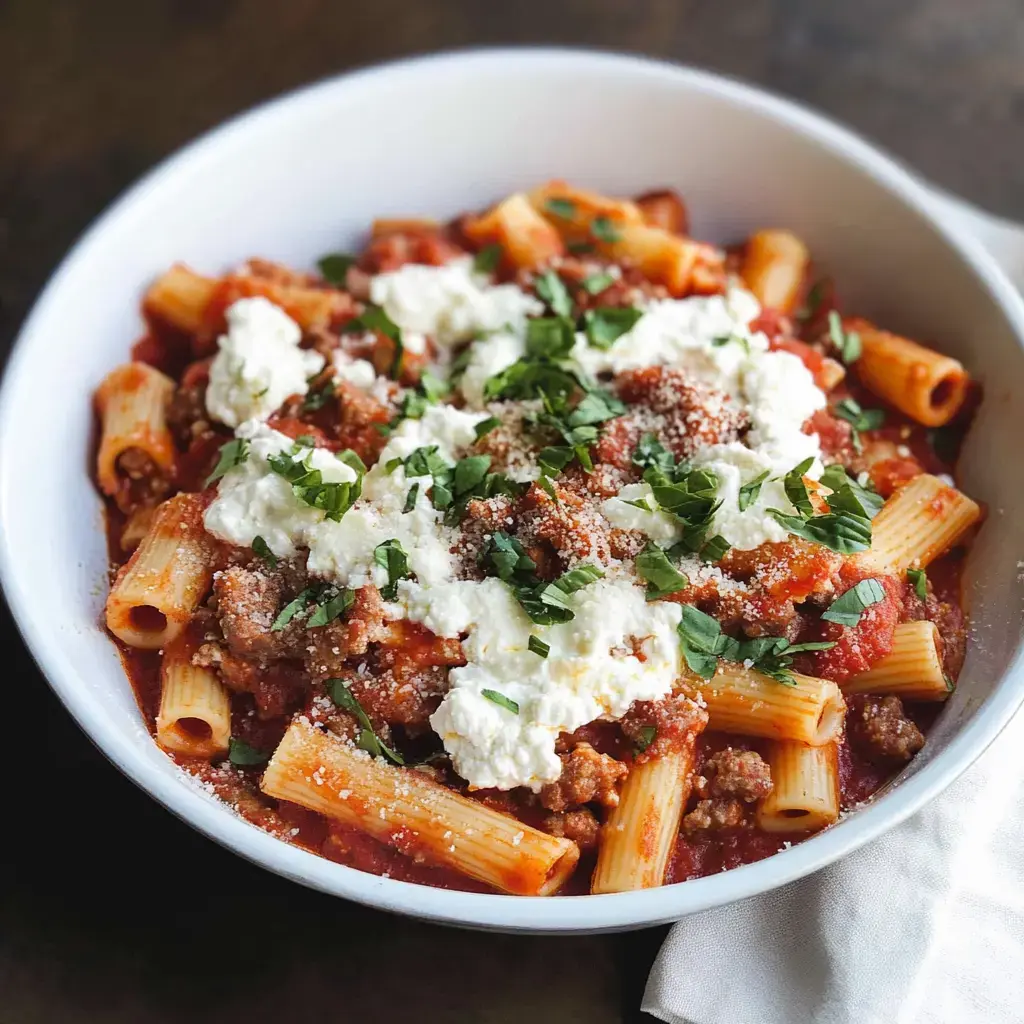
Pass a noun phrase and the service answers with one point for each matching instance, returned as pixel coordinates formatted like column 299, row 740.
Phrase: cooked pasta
column 546, row 550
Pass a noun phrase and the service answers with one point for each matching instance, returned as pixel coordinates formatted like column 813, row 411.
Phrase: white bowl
column 305, row 174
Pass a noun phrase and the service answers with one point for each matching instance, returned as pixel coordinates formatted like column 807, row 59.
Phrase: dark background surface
column 110, row 909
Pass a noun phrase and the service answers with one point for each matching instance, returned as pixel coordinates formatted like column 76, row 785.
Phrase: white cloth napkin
column 923, row 926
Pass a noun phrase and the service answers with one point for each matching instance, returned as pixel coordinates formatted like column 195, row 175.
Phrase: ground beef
column 482, row 519
column 742, row 774
column 571, row 528
column 730, row 782
column 248, row 602
column 580, row 826
column 277, row 687
column 881, row 731
column 712, row 815
column 396, row 248
column 676, row 721
column 328, row 648
column 586, row 776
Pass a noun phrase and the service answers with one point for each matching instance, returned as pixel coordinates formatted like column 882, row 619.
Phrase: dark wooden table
column 102, row 917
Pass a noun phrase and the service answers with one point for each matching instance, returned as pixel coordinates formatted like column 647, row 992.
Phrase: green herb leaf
column 812, row 304
column 715, row 549
column 650, row 453
column 663, row 578
column 538, row 646
column 261, row 548
column 847, row 343
column 918, row 579
column 552, row 290
column 596, row 407
column 605, row 229
column 243, row 755
column 487, row 259
column 232, row 453
column 606, row 324
column 839, row 531
column 859, row 419
column 848, row 495
column 648, row 733
column 796, row 489
column 501, row 700
column 334, row 499
column 390, row 555
column 594, row 284
column 484, row 427
column 373, row 318
column 721, row 340
column 699, row 636
column 549, row 337
column 847, row 609
column 334, row 267
column 564, row 208
column 368, row 739
column 331, row 603
column 750, row 490
column 506, row 556
column 410, row 498
column 317, row 398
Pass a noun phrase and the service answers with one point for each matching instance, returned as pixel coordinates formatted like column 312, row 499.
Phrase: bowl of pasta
column 606, row 508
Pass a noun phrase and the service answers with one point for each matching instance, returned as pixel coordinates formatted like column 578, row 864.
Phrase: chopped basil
column 663, row 578
column 368, row 740
column 715, row 549
column 839, row 531
column 721, row 340
column 812, row 304
column 317, row 398
column 506, row 556
column 596, row 407
column 373, row 318
column 594, row 284
column 703, row 643
column 261, row 548
column 847, row 609
column 391, row 556
column 640, row 503
column 604, row 229
column 501, row 700
column 334, row 267
column 334, row 499
column 918, row 579
column 796, row 489
column 321, row 604
column 606, row 324
column 552, row 290
column 484, row 427
column 650, row 453
column 564, row 208
column 750, row 490
column 487, row 259
column 410, row 498
column 847, row 343
column 538, row 646
column 232, row 453
column 244, row 755
column 848, row 495
column 645, row 739
column 549, row 337
column 859, row 419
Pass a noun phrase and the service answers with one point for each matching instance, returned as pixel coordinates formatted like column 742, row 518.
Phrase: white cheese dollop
column 591, row 672
column 358, row 372
column 252, row 500
column 659, row 526
column 450, row 303
column 258, row 363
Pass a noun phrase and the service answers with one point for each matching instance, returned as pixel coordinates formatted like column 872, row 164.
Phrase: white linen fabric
column 923, row 926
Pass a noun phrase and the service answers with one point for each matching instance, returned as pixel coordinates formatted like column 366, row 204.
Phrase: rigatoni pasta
column 547, row 550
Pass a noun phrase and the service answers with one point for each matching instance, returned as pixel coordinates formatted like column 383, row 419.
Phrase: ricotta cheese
column 252, row 500
column 258, row 363
column 488, row 357
column 449, row 303
column 662, row 528
column 358, row 372
column 591, row 671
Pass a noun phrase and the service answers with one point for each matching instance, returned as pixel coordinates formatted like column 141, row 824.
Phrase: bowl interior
column 306, row 175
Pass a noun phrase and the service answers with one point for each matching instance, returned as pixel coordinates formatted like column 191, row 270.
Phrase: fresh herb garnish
column 647, row 735
column 317, row 398
column 410, row 498
column 847, row 609
column 334, row 267
column 812, row 304
column 321, row 604
column 594, row 284
column 549, row 337
column 715, row 549
column 538, row 646
column 606, row 324
column 552, row 290
column 847, row 343
column 859, row 419
column 391, row 556
column 373, row 318
column 333, row 498
column 918, row 579
column 501, row 700
column 650, row 453
column 663, row 578
column 368, row 739
column 605, row 230
column 703, row 643
column 850, row 496
column 261, row 548
column 232, row 453
column 484, row 427
column 487, row 259
column 750, row 490
column 564, row 208
column 244, row 755
column 796, row 489
column 839, row 531
column 721, row 340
